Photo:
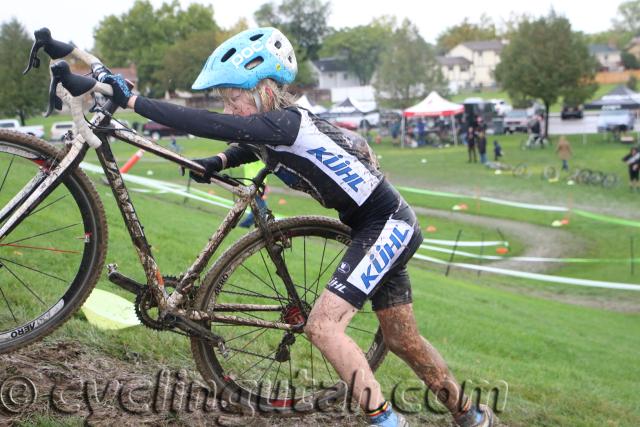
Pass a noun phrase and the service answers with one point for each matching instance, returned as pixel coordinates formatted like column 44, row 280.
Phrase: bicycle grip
column 54, row 48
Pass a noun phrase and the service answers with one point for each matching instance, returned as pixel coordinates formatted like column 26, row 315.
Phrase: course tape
column 586, row 214
column 219, row 201
column 167, row 187
column 535, row 276
column 466, row 243
column 529, row 258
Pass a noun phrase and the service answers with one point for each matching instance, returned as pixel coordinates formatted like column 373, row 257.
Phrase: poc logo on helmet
column 246, row 53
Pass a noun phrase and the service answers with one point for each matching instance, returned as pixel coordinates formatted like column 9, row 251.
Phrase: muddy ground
column 67, row 381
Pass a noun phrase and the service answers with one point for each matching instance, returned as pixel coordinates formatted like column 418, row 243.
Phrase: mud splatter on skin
column 402, row 337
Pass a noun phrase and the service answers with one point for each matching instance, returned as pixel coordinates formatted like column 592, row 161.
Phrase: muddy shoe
column 481, row 416
column 387, row 417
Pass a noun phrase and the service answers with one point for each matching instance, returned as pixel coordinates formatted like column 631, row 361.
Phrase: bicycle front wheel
column 267, row 368
column 50, row 262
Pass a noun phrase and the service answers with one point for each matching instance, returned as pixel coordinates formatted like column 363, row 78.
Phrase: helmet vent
column 278, row 44
column 255, row 37
column 228, row 55
column 254, row 63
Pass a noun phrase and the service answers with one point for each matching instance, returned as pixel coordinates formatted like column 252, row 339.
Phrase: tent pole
column 453, row 127
column 402, row 133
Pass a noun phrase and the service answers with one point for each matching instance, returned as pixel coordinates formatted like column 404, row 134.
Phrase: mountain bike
column 245, row 315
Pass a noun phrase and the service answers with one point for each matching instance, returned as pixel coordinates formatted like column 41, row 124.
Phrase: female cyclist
column 338, row 169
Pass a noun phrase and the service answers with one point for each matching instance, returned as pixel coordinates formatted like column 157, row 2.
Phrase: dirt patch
column 539, row 241
column 63, row 379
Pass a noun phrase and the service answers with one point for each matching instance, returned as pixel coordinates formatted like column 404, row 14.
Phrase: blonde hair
column 272, row 95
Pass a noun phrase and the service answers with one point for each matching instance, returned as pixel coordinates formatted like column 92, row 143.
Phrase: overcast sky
column 75, row 20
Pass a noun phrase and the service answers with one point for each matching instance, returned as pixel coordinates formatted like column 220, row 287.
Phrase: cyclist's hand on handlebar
column 211, row 165
column 121, row 91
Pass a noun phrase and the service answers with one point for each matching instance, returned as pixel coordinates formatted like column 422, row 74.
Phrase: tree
column 360, row 46
column 21, row 95
column 142, row 36
column 183, row 61
column 545, row 60
column 629, row 61
column 408, row 70
column 466, row 32
column 628, row 18
column 632, row 83
column 304, row 22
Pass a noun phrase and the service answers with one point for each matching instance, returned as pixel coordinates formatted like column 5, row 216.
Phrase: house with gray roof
column 471, row 64
column 333, row 73
column 610, row 58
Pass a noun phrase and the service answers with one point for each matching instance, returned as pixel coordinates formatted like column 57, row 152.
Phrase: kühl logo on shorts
column 381, row 255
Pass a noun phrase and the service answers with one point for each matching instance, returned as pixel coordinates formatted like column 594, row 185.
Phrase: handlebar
column 75, row 85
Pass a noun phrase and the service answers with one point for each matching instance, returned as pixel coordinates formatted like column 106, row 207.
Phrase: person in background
column 633, row 160
column 421, row 131
column 497, row 150
column 564, row 152
column 482, row 147
column 471, row 145
column 395, row 131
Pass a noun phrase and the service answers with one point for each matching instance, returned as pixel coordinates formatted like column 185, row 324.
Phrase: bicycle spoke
column 269, row 273
column 317, row 282
column 8, row 305
column 23, row 284
column 304, row 258
column 42, row 234
column 360, row 329
column 62, row 251
column 279, row 297
column 326, row 365
column 268, row 357
column 7, row 172
column 242, row 335
column 36, row 270
column 251, row 292
column 47, row 205
column 247, row 344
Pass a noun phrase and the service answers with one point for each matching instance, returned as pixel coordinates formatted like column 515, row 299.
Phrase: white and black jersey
column 335, row 166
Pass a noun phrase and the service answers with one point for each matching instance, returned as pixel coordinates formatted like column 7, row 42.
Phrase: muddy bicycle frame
column 170, row 305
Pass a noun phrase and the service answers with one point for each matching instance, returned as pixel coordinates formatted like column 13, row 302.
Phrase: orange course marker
column 132, row 161
column 502, row 250
column 431, row 229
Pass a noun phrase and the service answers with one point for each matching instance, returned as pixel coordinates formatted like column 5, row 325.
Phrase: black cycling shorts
column 633, row 174
column 375, row 264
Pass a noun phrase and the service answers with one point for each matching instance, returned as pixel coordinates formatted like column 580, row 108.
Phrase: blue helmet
column 268, row 51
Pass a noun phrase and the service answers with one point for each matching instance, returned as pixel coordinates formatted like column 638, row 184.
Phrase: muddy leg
column 402, row 337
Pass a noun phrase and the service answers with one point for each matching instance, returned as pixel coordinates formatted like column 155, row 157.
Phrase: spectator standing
column 395, row 131
column 421, row 131
column 564, row 152
column 482, row 146
column 471, row 145
column 633, row 160
column 497, row 150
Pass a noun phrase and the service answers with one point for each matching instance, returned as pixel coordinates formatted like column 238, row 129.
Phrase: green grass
column 564, row 364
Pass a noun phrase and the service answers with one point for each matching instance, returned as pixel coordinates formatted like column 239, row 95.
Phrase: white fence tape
column 535, row 276
column 471, row 243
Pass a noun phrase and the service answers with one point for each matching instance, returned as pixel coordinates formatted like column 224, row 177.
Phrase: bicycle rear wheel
column 50, row 262
column 270, row 368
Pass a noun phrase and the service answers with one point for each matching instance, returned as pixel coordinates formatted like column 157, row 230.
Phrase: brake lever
column 34, row 61
column 54, row 99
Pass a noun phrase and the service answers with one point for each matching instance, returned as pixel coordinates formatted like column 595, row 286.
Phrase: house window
column 330, row 75
column 345, row 76
column 450, row 67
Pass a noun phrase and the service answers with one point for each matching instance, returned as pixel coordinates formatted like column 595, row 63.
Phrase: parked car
column 516, row 121
column 156, row 130
column 571, row 112
column 615, row 119
column 60, row 129
column 501, row 106
column 37, row 131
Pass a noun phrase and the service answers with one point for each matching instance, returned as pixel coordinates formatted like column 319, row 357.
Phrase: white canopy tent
column 304, row 102
column 434, row 106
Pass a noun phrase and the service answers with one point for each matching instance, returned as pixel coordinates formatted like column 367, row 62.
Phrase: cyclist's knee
column 319, row 330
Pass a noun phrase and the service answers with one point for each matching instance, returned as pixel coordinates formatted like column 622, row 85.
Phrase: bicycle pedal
column 123, row 281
